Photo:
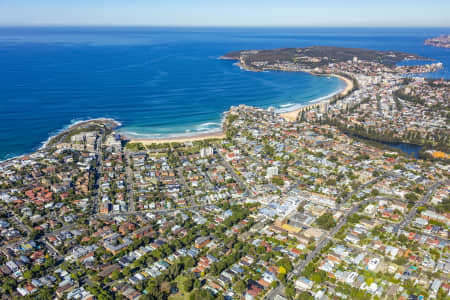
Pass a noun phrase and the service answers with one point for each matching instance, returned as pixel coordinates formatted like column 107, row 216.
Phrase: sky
column 327, row 13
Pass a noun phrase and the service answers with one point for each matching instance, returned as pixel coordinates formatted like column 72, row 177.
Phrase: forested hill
column 319, row 55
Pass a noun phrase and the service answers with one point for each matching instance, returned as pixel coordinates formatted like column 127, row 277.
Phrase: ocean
column 161, row 82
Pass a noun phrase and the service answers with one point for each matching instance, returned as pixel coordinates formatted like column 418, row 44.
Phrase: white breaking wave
column 167, row 135
column 294, row 106
column 207, row 126
column 287, row 104
column 327, row 96
column 204, row 128
column 289, row 108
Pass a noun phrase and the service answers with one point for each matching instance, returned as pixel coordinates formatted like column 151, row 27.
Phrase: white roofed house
column 271, row 172
column 303, row 284
column 434, row 288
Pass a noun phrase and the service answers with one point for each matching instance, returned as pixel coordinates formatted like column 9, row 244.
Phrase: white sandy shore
column 291, row 116
column 181, row 139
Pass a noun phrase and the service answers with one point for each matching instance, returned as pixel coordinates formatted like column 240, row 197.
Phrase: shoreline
column 291, row 116
column 75, row 125
column 181, row 139
column 58, row 133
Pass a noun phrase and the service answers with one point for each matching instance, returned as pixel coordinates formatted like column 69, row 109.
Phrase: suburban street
column 233, row 174
column 279, row 290
column 412, row 213
column 130, row 185
column 99, row 170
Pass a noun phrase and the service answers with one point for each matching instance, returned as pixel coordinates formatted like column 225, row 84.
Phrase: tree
column 411, row 197
column 401, row 261
column 9, row 285
column 197, row 284
column 308, row 270
column 402, row 238
column 201, row 294
column 316, row 278
column 220, row 296
column 213, row 270
column 115, row 275
column 277, row 180
column 188, row 284
column 289, row 291
column 269, row 149
column 126, row 271
column 240, row 287
column 285, row 263
column 44, row 293
column 305, row 296
column 27, row 274
column 282, row 277
column 326, row 221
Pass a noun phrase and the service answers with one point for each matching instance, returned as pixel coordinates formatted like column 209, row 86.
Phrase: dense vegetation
column 334, row 54
column 326, row 221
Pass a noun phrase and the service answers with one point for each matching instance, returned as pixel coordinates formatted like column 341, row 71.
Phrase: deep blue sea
column 161, row 81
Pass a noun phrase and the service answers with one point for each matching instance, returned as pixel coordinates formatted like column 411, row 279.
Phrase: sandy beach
column 291, row 116
column 181, row 139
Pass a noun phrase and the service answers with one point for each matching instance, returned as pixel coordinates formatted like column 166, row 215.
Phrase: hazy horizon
column 202, row 13
column 210, row 26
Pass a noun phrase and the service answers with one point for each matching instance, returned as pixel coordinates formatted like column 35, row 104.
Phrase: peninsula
column 312, row 57
column 324, row 61
column 442, row 41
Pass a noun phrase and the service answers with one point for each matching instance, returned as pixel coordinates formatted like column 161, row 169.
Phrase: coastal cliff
column 102, row 124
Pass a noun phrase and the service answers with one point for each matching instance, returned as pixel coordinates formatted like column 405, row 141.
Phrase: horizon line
column 222, row 26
